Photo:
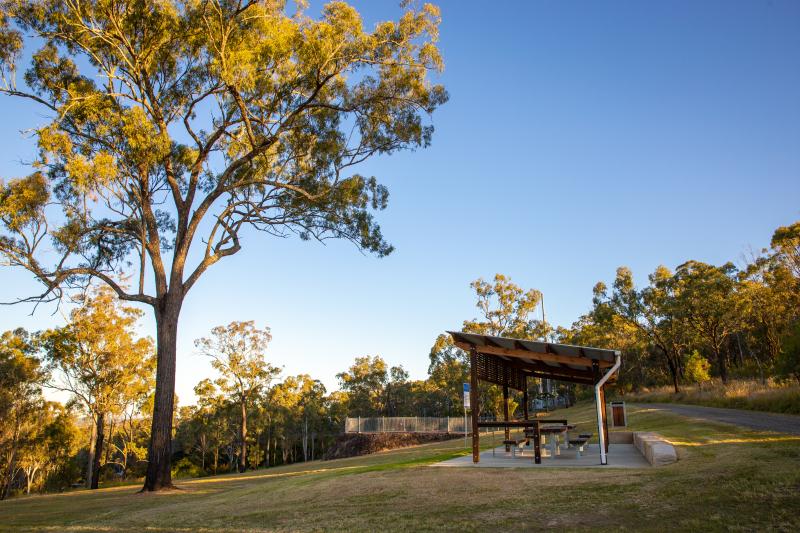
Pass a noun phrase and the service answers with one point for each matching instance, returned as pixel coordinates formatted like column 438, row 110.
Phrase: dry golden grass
column 726, row 479
column 738, row 394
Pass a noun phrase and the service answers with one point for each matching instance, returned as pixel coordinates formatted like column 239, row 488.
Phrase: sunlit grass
column 726, row 478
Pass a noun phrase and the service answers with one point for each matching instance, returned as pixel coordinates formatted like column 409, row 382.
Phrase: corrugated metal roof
column 544, row 357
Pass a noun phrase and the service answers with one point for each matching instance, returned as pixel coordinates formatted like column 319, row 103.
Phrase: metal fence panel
column 406, row 424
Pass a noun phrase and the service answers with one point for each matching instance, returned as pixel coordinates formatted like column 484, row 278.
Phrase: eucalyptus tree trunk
column 30, row 473
column 99, row 437
column 722, row 365
column 90, row 454
column 5, row 491
column 203, row 451
column 305, row 439
column 159, row 474
column 673, row 371
column 243, row 435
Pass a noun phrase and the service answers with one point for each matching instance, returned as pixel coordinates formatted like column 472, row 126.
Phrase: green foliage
column 364, row 382
column 168, row 119
column 788, row 363
column 697, row 368
column 506, row 309
column 742, row 320
column 98, row 358
column 448, row 370
column 237, row 353
column 786, row 242
column 107, row 371
column 21, row 405
column 291, row 105
column 184, row 468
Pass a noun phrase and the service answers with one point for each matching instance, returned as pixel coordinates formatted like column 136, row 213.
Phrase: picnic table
column 553, row 432
column 534, row 425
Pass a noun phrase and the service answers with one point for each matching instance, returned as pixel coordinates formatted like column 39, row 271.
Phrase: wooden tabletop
column 519, row 423
column 553, row 429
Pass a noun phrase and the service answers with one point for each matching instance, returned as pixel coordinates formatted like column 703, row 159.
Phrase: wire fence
column 407, row 424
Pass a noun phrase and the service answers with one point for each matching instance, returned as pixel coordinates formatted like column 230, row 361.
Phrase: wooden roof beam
column 533, row 356
column 538, row 366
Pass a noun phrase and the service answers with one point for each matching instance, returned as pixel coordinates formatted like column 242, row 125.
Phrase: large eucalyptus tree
column 177, row 123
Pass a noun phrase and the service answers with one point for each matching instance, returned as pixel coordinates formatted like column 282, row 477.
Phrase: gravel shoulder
column 750, row 419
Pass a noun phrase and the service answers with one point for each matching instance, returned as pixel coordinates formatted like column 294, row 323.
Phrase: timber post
column 505, row 415
column 525, row 399
column 473, row 400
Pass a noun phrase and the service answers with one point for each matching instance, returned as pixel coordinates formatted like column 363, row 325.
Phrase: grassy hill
column 737, row 394
column 726, row 478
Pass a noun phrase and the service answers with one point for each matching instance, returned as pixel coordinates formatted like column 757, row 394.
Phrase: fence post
column 359, row 423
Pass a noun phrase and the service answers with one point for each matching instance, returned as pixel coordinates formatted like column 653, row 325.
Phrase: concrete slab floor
column 619, row 456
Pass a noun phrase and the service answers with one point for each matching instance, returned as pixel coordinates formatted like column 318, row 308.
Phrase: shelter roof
column 504, row 360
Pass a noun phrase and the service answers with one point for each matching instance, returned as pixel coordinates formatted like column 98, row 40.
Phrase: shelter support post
column 525, row 400
column 505, row 415
column 474, row 407
column 605, row 416
column 600, row 405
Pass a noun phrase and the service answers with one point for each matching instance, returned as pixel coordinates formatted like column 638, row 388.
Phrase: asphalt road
column 749, row 419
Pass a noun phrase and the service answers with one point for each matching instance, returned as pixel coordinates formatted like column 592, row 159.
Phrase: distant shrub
column 186, row 468
column 697, row 369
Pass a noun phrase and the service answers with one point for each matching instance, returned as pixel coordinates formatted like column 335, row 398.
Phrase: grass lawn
column 727, row 478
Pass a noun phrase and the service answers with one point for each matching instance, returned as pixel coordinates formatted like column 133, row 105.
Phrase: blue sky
column 579, row 136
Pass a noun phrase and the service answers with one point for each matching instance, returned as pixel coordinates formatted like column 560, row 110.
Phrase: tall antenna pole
column 544, row 320
column 545, row 382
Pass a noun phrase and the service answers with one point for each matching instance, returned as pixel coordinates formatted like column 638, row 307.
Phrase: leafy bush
column 186, row 468
column 697, row 368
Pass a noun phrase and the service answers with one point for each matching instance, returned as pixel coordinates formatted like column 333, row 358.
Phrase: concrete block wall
column 655, row 448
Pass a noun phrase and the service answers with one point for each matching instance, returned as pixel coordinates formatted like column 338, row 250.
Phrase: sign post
column 466, row 406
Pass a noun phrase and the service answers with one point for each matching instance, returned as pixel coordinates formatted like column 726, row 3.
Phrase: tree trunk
column 268, row 451
column 203, row 452
column 159, row 456
column 243, row 435
column 9, row 477
column 305, row 439
column 671, row 365
column 723, row 368
column 110, row 440
column 90, row 455
column 674, row 372
column 99, row 433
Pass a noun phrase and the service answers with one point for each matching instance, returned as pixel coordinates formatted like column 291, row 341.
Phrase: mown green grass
column 727, row 478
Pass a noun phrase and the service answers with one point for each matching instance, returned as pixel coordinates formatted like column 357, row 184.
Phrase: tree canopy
column 177, row 126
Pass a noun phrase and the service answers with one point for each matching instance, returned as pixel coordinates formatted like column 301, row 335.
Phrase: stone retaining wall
column 655, row 448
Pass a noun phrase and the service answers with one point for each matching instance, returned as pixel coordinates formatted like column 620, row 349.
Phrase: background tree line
column 696, row 323
column 701, row 321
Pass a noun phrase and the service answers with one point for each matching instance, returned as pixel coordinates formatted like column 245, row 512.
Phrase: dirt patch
column 354, row 444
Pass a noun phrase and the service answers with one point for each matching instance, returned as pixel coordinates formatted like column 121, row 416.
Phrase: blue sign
column 466, row 387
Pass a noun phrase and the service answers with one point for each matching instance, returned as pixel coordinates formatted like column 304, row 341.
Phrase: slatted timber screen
column 494, row 370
